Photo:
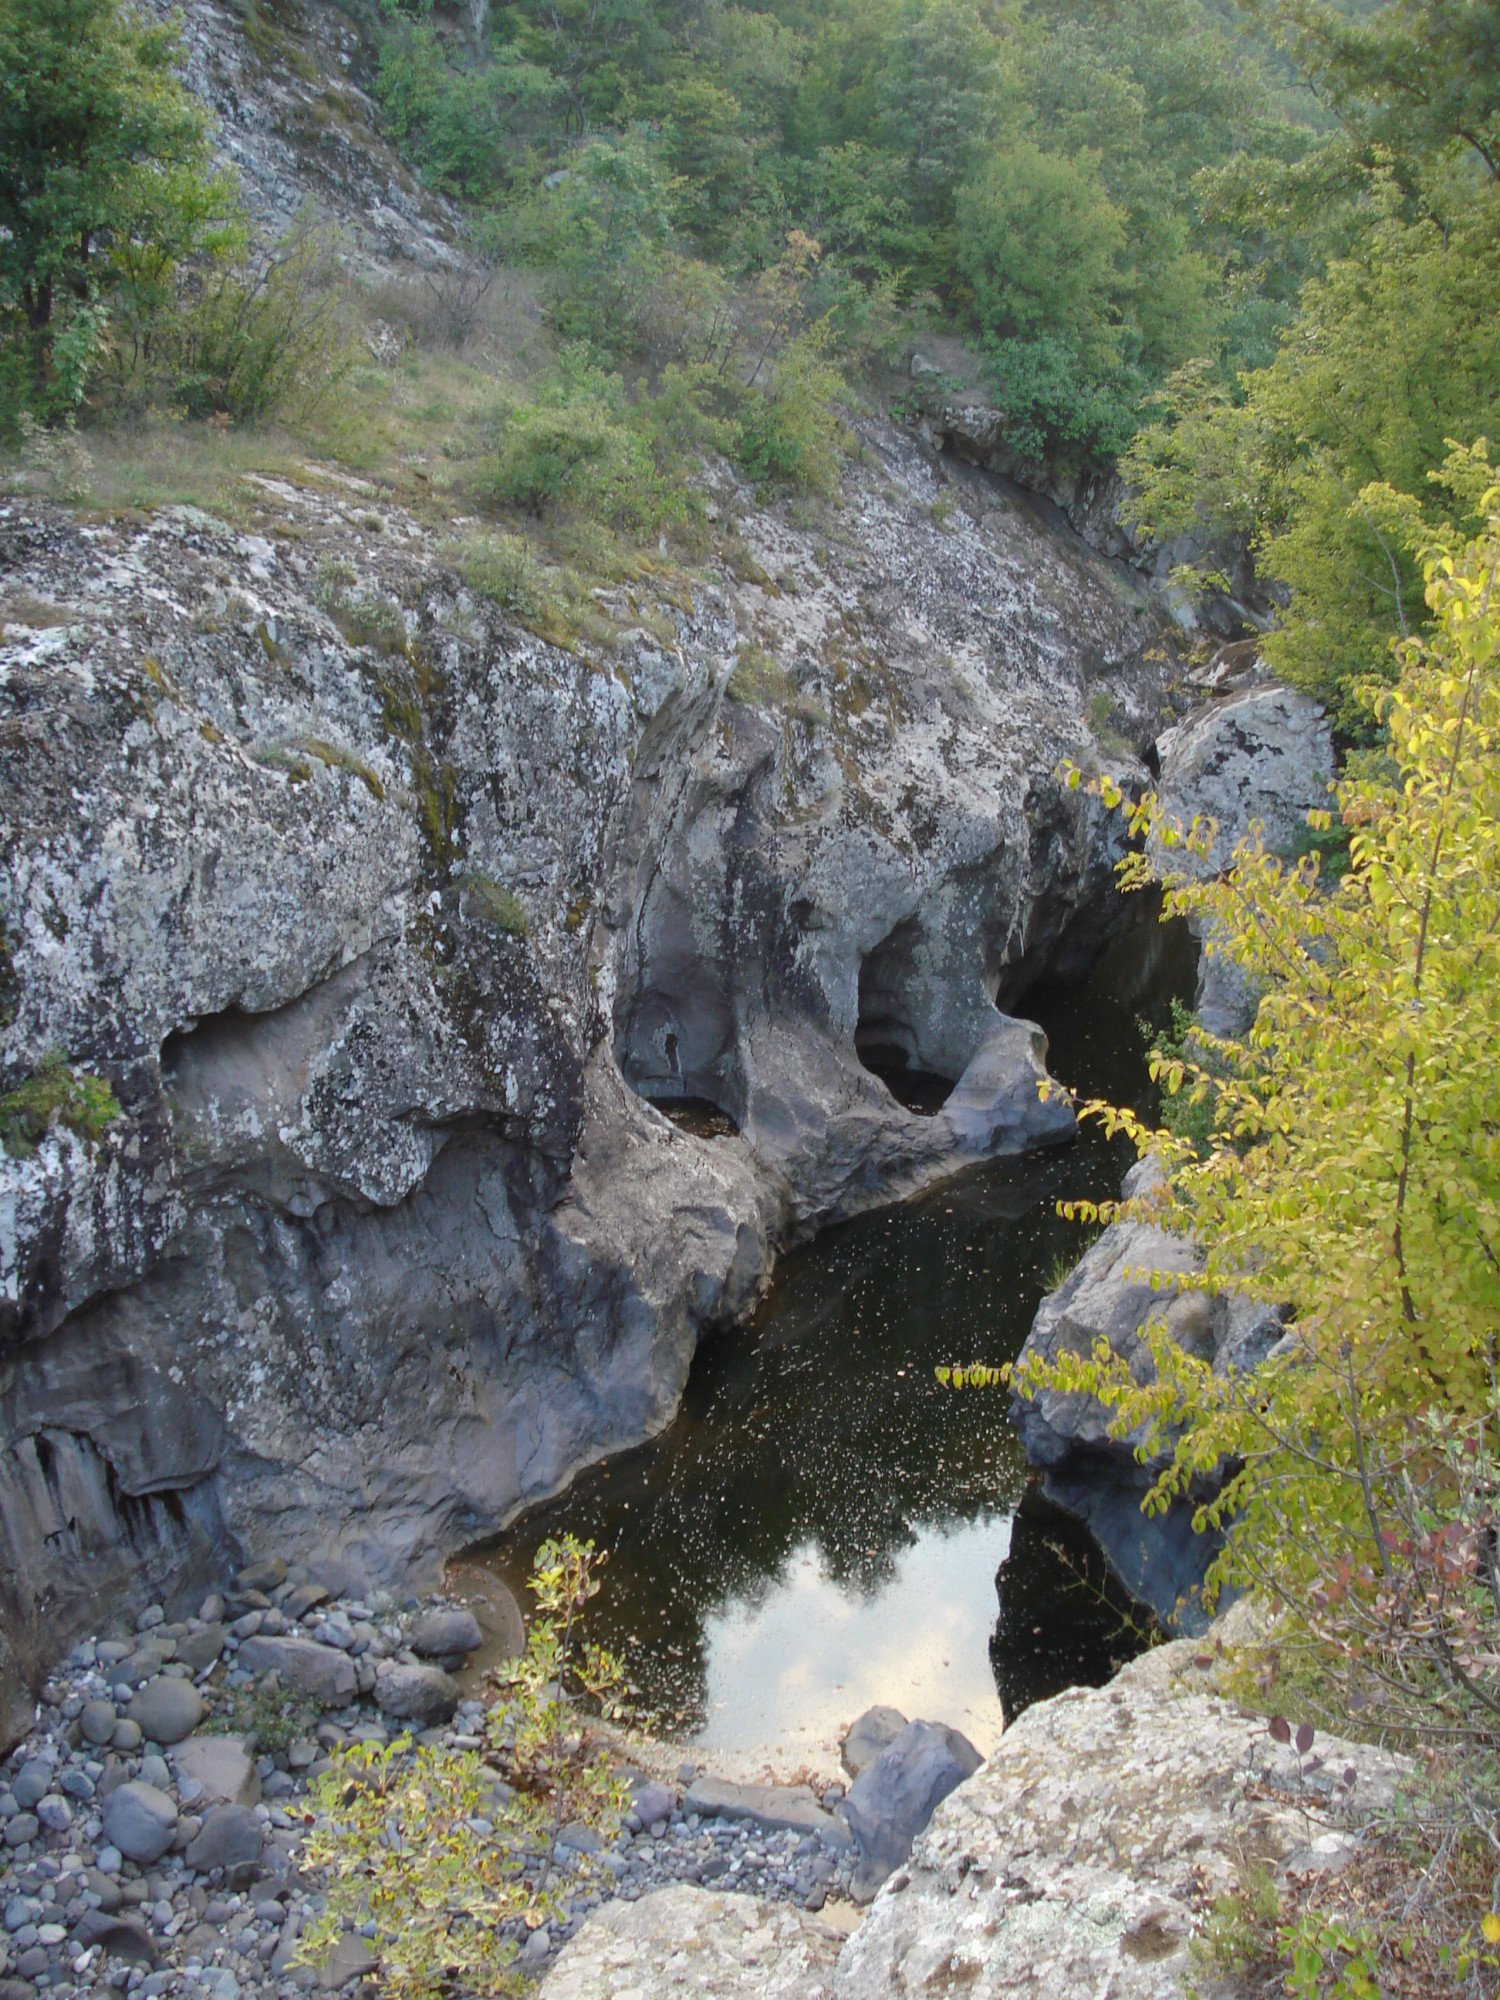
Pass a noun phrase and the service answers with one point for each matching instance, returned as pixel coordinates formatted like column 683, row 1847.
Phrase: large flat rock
column 775, row 1807
column 684, row 1941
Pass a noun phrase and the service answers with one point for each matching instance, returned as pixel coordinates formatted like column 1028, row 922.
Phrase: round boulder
column 97, row 1722
column 424, row 1695
column 446, row 1635
column 875, row 1730
column 230, row 1839
column 140, row 1821
column 166, row 1710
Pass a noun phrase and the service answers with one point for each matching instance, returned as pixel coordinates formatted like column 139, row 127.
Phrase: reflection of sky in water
column 795, row 1662
column 820, row 1527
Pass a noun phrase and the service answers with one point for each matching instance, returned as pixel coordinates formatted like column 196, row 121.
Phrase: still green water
column 822, row 1526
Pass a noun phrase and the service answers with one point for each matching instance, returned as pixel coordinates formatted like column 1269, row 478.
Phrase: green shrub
column 366, row 620
column 257, row 335
column 449, row 1855
column 790, row 434
column 505, row 570
column 273, row 1717
column 54, row 1095
column 758, row 680
column 579, row 446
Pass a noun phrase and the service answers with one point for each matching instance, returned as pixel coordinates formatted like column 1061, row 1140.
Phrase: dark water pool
column 822, row 1525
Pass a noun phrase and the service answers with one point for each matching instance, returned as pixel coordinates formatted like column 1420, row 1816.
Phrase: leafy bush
column 258, row 334
column 498, row 905
column 789, row 432
column 579, row 445
column 601, row 228
column 53, row 1095
column 504, row 569
column 448, row 1862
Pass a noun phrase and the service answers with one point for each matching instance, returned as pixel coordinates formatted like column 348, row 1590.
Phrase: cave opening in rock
column 675, row 1043
column 887, row 1038
column 698, row 1115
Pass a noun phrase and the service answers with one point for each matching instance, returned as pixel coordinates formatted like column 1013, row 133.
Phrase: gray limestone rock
column 1078, row 1859
column 353, row 1103
column 893, row 1798
column 230, row 1840
column 696, row 1944
column 424, row 1695
column 768, row 1806
column 199, row 1650
column 165, row 1711
column 1090, row 1469
column 223, row 1765
column 97, row 1722
column 446, row 1635
column 1257, row 761
column 868, row 1736
column 140, row 1821
column 323, row 1672
column 121, row 1937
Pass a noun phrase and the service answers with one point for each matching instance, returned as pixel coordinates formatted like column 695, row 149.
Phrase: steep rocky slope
column 379, row 914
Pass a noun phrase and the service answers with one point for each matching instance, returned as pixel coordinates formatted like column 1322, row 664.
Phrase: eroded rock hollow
column 390, row 942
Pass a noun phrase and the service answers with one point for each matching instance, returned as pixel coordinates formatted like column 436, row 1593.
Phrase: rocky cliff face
column 384, row 919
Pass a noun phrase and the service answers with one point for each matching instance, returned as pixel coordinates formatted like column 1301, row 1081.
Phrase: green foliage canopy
column 104, row 176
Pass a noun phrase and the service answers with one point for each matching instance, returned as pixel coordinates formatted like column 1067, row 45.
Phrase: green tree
column 1351, row 1177
column 1416, row 77
column 1041, row 246
column 1394, row 351
column 104, row 177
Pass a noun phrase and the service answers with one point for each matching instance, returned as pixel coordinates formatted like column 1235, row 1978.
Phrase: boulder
column 695, row 1944
column 651, row 1801
column 1260, row 760
column 1091, row 1469
column 140, row 1821
column 265, row 1575
column 893, row 1798
column 1079, row 1860
column 873, row 1732
column 120, row 1937
column 230, row 1839
column 424, row 1695
column 773, row 1808
column 322, row 1672
column 165, row 1711
column 97, row 1722
column 351, row 1959
column 223, row 1765
column 199, row 1650
column 446, row 1635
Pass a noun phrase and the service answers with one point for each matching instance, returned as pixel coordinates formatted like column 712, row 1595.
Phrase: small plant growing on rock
column 495, row 903
column 273, row 1715
column 451, row 1853
column 503, row 569
column 53, row 1095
